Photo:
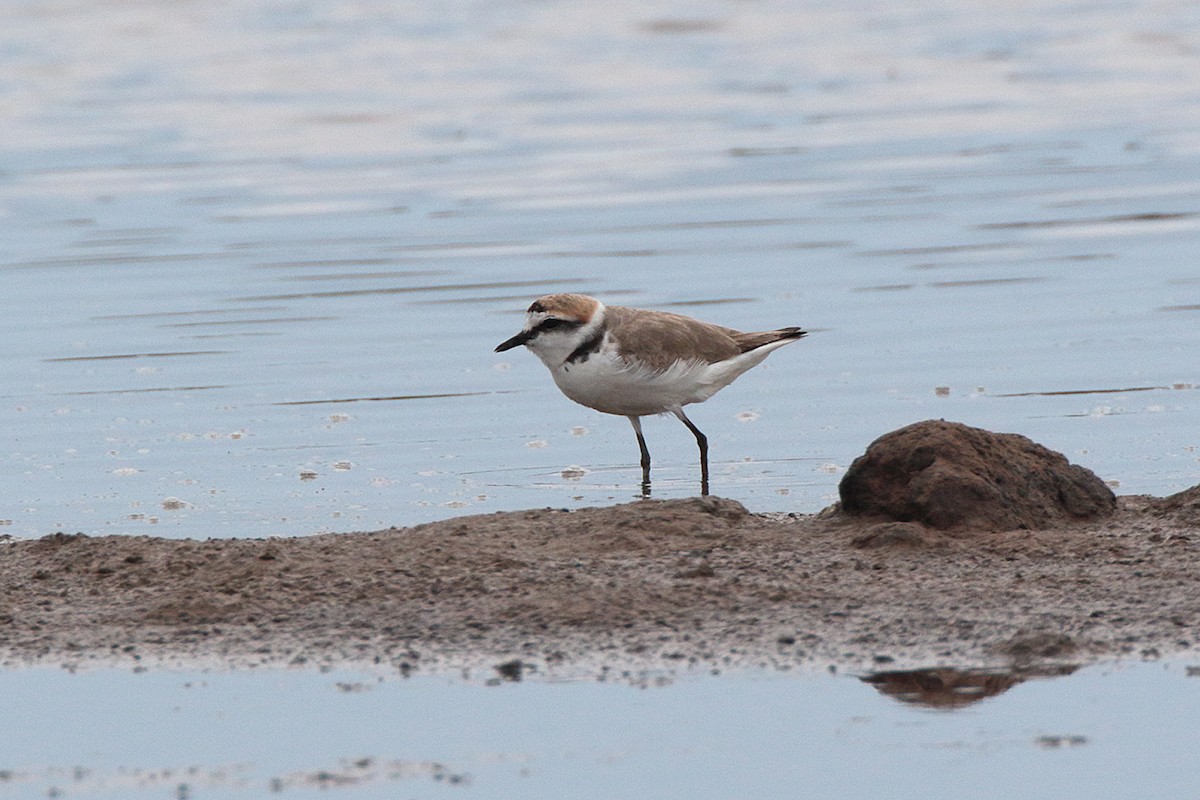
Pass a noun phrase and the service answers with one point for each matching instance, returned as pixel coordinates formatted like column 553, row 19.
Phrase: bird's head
column 557, row 324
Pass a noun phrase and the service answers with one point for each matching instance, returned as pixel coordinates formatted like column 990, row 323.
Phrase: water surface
column 1114, row 731
column 256, row 256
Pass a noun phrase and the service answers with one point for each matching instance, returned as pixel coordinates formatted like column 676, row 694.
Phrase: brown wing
column 661, row 338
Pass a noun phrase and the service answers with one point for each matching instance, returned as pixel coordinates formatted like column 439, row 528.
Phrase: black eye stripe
column 550, row 323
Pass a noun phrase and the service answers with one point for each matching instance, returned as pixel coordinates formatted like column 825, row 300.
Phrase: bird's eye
column 550, row 324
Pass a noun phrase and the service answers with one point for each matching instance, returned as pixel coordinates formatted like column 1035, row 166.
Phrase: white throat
column 555, row 347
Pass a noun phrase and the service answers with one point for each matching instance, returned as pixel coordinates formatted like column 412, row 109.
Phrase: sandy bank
column 649, row 583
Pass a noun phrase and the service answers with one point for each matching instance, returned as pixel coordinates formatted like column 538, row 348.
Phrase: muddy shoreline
column 652, row 584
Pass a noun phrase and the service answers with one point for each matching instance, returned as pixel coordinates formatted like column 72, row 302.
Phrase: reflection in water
column 950, row 688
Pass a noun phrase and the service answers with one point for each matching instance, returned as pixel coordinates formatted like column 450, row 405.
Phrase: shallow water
column 256, row 256
column 1101, row 732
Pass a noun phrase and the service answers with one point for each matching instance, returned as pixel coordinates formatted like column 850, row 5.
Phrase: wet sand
column 645, row 585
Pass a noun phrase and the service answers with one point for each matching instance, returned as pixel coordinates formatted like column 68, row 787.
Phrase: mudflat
column 651, row 583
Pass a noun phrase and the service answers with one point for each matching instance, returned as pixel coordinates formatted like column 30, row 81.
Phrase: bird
column 635, row 362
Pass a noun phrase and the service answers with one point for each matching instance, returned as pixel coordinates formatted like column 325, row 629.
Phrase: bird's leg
column 637, row 428
column 702, row 443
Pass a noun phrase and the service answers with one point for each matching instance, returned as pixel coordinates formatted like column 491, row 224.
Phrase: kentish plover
column 633, row 362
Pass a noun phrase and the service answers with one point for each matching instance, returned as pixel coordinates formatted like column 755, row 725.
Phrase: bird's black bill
column 516, row 341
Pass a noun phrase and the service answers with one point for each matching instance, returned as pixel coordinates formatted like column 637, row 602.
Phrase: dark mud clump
column 951, row 476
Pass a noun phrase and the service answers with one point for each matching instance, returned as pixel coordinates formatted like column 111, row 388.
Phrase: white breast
column 607, row 383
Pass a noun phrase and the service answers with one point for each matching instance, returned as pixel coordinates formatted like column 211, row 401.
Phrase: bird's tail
column 757, row 339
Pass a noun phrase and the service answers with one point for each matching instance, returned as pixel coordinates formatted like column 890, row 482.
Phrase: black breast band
column 589, row 346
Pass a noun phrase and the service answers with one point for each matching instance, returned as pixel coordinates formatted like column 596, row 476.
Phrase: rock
column 951, row 476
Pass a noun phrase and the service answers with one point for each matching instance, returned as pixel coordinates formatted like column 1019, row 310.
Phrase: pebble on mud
column 950, row 476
